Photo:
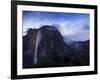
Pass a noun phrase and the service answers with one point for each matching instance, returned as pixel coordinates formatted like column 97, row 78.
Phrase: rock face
column 29, row 47
column 45, row 47
column 51, row 47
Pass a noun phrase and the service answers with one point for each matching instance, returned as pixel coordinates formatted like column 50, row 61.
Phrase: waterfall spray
column 38, row 39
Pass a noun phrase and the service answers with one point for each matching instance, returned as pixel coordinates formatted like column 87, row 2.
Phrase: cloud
column 77, row 31
column 73, row 30
column 72, row 26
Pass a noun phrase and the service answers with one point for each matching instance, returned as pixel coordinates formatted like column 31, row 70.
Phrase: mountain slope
column 45, row 47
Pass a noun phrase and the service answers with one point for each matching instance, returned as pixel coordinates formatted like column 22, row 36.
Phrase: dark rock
column 52, row 50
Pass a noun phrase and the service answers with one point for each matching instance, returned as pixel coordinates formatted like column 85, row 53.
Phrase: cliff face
column 51, row 47
column 29, row 47
column 45, row 47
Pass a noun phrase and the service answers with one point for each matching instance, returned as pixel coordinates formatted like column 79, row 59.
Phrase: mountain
column 81, row 50
column 29, row 47
column 45, row 47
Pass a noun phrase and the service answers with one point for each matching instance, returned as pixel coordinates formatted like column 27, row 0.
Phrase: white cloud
column 70, row 29
column 74, row 30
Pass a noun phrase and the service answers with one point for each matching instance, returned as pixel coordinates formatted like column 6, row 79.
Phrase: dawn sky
column 74, row 26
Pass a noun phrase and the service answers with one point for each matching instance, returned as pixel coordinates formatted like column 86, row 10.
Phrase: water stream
column 38, row 39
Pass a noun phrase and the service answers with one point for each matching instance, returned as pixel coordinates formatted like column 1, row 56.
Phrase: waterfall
column 38, row 39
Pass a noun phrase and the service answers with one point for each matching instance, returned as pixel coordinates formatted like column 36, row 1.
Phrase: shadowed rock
column 45, row 47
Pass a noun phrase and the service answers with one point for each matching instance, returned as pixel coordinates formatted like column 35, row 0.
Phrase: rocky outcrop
column 45, row 47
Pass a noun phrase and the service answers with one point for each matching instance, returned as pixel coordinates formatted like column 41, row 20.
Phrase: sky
column 72, row 26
